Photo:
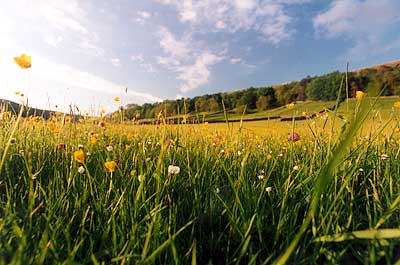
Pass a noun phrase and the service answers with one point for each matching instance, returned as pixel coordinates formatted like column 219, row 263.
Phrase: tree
column 262, row 103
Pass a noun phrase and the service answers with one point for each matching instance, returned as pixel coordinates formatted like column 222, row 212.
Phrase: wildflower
column 116, row 99
column 79, row 156
column 261, row 177
column 397, row 105
column 239, row 153
column 397, row 130
column 140, row 178
column 80, row 146
column 294, row 136
column 13, row 141
column 23, row 61
column 361, row 169
column 360, row 94
column 81, row 170
column 184, row 117
column 217, row 190
column 384, row 156
column 268, row 189
column 280, row 155
column 295, row 168
column 110, row 165
column 173, row 170
column 101, row 124
column 53, row 128
column 92, row 140
column 290, row 106
column 109, row 148
column 269, row 157
column 88, row 154
column 304, row 114
column 61, row 146
column 17, row 92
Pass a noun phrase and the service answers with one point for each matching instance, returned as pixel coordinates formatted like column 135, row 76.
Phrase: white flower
column 140, row 178
column 80, row 146
column 239, row 153
column 81, row 170
column 173, row 170
column 222, row 151
column 295, row 168
column 361, row 170
column 217, row 190
column 280, row 154
column 268, row 189
column 261, row 177
column 384, row 156
column 88, row 154
column 109, row 148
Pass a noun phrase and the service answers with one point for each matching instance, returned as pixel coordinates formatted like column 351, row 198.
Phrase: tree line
column 325, row 87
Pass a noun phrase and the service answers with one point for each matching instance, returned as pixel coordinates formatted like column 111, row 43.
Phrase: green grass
column 217, row 209
column 383, row 106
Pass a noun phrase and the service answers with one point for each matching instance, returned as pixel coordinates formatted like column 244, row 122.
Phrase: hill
column 262, row 102
column 13, row 107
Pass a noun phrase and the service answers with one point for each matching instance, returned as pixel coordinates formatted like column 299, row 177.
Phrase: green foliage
column 325, row 87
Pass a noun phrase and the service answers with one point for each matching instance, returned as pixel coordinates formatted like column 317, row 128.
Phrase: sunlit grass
column 200, row 194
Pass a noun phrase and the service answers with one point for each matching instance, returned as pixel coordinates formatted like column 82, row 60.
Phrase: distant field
column 383, row 108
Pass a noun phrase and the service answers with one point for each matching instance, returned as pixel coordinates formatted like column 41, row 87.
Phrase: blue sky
column 86, row 52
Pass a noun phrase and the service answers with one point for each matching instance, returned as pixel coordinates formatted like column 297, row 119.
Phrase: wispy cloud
column 142, row 17
column 269, row 18
column 367, row 23
column 115, row 62
column 50, row 79
column 187, row 59
column 54, row 22
column 139, row 59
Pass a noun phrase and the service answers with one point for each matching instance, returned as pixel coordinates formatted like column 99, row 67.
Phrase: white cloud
column 178, row 49
column 53, row 22
column 188, row 60
column 197, row 74
column 53, row 41
column 61, row 83
column 367, row 23
column 148, row 67
column 142, row 17
column 269, row 18
column 235, row 60
column 115, row 62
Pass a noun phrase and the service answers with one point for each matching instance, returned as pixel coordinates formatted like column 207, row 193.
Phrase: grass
column 241, row 196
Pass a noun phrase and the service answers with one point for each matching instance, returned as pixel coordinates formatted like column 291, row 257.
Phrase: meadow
column 96, row 192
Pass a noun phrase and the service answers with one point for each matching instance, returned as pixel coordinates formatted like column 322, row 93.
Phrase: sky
column 86, row 52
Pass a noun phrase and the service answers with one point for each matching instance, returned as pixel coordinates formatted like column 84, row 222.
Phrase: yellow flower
column 17, row 92
column 290, row 106
column 92, row 139
column 269, row 157
column 360, row 94
column 304, row 113
column 110, row 165
column 24, row 61
column 79, row 156
column 116, row 99
column 397, row 105
column 53, row 128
